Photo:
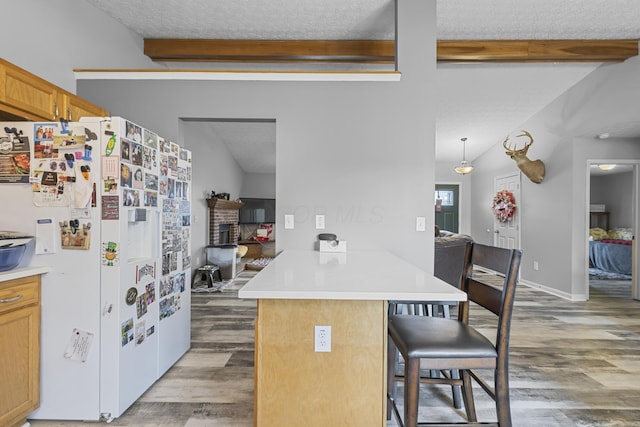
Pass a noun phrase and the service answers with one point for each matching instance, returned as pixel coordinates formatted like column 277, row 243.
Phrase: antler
column 528, row 135
column 509, row 150
column 512, row 151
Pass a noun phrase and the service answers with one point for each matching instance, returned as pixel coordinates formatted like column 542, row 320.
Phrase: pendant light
column 464, row 167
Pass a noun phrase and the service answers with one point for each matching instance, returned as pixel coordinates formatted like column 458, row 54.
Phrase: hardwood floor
column 212, row 385
column 572, row 364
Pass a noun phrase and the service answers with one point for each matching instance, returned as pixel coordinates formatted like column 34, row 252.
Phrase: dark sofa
column 449, row 256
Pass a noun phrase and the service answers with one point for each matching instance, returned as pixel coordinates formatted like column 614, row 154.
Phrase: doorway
column 230, row 155
column 612, row 225
column 447, row 207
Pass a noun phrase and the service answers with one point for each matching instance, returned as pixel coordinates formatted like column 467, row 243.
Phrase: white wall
column 360, row 152
column 259, row 185
column 614, row 191
column 553, row 213
column 51, row 38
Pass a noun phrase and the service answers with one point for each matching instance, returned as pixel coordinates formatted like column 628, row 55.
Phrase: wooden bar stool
column 449, row 344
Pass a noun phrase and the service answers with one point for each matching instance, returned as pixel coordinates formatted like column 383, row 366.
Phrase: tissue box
column 333, row 246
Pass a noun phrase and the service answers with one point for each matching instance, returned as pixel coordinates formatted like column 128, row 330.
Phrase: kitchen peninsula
column 299, row 290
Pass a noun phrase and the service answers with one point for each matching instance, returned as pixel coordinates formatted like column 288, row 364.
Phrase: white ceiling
column 251, row 143
column 483, row 102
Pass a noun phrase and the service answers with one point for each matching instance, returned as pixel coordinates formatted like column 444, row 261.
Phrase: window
column 447, row 197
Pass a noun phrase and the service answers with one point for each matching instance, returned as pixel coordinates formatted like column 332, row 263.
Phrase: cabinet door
column 74, row 107
column 19, row 364
column 27, row 95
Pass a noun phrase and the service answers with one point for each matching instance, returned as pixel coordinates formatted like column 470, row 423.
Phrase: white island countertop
column 355, row 275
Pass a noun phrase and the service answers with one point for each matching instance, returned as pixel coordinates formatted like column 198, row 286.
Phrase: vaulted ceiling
column 482, row 101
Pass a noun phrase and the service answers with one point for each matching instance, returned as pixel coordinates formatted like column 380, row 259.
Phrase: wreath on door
column 504, row 205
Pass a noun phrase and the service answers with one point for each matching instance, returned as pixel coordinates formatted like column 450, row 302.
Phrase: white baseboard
column 543, row 288
column 552, row 291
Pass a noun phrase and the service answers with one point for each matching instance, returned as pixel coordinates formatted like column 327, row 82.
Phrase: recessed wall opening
column 236, row 160
column 612, row 223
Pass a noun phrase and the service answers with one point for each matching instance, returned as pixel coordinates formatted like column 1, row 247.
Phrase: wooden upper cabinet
column 25, row 95
column 73, row 107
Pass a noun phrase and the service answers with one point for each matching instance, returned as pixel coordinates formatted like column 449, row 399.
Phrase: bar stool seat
column 208, row 273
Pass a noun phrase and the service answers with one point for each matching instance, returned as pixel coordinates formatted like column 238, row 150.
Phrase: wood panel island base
column 297, row 386
column 299, row 290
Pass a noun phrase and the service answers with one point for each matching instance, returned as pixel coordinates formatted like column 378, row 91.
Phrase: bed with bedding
column 611, row 251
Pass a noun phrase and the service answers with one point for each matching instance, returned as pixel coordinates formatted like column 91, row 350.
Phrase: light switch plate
column 421, row 223
column 288, row 222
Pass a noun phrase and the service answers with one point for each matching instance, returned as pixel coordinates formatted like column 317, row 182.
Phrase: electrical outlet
column 319, row 222
column 536, row 266
column 322, row 342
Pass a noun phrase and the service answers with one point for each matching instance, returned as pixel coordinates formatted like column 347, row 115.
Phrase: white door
column 507, row 234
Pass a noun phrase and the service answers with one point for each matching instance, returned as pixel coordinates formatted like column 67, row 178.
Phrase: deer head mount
column 534, row 170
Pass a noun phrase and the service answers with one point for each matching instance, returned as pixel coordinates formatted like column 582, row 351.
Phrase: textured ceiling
column 483, row 102
column 374, row 19
column 538, row 19
column 255, row 19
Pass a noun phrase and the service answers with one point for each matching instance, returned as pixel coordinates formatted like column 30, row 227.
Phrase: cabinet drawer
column 19, row 293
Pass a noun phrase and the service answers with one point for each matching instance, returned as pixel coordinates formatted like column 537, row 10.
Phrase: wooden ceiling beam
column 536, row 50
column 214, row 50
column 383, row 51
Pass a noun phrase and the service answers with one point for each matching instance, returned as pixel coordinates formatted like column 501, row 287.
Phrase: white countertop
column 356, row 275
column 18, row 273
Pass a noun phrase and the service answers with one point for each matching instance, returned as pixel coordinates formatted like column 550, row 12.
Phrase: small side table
column 207, row 271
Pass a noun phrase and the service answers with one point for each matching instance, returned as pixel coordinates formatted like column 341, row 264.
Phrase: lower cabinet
column 19, row 349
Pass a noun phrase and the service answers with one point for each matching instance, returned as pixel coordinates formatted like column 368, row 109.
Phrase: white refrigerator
column 108, row 202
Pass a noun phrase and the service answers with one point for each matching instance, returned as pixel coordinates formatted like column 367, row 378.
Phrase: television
column 257, row 211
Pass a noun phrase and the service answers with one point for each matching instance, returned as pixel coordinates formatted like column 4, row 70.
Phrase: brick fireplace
column 223, row 221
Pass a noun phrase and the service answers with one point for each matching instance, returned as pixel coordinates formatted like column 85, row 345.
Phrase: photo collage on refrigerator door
column 138, row 167
column 59, row 166
column 174, row 191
